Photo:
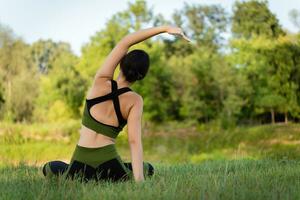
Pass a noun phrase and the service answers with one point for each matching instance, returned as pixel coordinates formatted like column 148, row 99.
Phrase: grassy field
column 241, row 179
column 191, row 162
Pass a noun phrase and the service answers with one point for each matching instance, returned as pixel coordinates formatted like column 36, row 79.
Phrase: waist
column 91, row 139
column 94, row 156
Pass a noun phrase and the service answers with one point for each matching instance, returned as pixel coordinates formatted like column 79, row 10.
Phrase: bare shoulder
column 136, row 107
column 136, row 110
column 137, row 99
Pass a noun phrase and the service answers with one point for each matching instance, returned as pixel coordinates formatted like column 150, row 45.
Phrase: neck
column 122, row 80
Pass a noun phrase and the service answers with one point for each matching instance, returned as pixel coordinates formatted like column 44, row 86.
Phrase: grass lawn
column 239, row 179
column 255, row 162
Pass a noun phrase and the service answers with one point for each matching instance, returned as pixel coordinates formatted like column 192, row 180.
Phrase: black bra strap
column 100, row 99
column 114, row 96
column 116, row 93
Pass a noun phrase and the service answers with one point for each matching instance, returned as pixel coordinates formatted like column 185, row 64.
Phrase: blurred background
column 232, row 94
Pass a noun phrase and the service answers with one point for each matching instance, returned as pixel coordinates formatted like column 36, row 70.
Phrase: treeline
column 242, row 68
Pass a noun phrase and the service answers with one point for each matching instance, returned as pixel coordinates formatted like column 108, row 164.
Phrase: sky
column 75, row 21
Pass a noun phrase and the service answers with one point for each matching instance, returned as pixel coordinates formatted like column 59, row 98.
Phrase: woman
column 109, row 106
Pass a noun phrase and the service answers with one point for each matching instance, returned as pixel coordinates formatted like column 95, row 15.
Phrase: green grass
column 258, row 162
column 242, row 179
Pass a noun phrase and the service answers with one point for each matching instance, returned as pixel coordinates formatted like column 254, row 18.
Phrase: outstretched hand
column 177, row 32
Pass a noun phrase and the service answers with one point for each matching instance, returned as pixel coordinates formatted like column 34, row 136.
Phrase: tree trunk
column 273, row 116
column 286, row 120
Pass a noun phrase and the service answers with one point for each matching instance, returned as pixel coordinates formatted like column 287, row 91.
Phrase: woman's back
column 104, row 112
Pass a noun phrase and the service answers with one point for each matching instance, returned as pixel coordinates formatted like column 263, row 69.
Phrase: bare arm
column 120, row 50
column 115, row 56
column 135, row 139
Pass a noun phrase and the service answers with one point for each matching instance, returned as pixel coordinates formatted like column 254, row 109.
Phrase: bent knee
column 54, row 168
column 47, row 172
column 150, row 169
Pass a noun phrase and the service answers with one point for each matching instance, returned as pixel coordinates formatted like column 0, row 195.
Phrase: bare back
column 104, row 112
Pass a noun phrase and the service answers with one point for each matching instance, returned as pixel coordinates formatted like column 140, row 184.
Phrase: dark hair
column 135, row 65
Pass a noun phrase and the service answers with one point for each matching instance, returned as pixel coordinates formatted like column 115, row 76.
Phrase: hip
column 94, row 156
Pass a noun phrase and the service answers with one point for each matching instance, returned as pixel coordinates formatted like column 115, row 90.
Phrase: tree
column 295, row 17
column 196, row 68
column 267, row 57
column 62, row 85
column 253, row 18
column 203, row 24
column 17, row 77
column 269, row 65
column 45, row 52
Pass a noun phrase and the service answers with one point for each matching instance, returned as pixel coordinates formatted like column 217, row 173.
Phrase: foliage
column 17, row 92
column 45, row 53
column 251, row 77
column 271, row 66
column 62, row 86
column 254, row 18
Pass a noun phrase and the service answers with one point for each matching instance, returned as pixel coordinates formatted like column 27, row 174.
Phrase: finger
column 176, row 34
column 182, row 36
column 186, row 38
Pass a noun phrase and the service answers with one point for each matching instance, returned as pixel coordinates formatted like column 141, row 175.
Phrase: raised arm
column 115, row 56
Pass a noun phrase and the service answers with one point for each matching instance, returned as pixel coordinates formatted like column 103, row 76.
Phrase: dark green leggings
column 102, row 163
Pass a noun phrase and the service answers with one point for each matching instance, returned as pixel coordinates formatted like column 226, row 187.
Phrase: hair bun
column 135, row 74
column 135, row 65
column 132, row 72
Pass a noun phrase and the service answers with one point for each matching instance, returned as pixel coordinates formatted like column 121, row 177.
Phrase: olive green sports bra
column 90, row 122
